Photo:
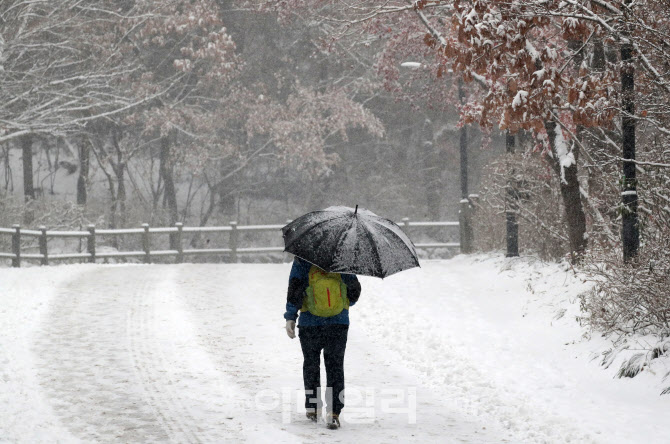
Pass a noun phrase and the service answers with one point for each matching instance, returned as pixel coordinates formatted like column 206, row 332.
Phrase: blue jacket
column 298, row 281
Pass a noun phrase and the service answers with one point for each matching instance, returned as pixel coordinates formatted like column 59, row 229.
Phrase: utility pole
column 511, row 200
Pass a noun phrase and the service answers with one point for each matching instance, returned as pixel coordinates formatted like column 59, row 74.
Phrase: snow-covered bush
column 630, row 298
column 53, row 214
column 634, row 297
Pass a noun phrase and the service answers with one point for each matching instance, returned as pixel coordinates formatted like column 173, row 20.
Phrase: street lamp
column 465, row 205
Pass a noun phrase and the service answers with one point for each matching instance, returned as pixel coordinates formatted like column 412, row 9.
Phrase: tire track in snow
column 149, row 364
column 117, row 360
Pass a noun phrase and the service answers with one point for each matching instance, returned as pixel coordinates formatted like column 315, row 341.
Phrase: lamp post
column 465, row 205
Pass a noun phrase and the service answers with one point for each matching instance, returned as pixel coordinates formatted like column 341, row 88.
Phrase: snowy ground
column 474, row 349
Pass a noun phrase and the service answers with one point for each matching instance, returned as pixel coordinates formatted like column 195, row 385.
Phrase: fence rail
column 177, row 250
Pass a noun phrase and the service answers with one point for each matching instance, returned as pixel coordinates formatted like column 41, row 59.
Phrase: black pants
column 332, row 339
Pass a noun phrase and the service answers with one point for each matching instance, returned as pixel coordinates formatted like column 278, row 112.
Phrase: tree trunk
column 7, row 170
column 82, row 180
column 167, row 173
column 118, row 216
column 170, row 193
column 598, row 59
column 27, row 154
column 574, row 210
column 119, row 168
column 511, row 201
column 28, row 184
column 630, row 229
column 120, row 171
column 112, row 208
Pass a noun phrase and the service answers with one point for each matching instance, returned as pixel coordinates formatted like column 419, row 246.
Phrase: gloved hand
column 290, row 329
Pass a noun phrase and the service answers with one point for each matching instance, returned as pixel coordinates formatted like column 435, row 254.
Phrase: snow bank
column 500, row 339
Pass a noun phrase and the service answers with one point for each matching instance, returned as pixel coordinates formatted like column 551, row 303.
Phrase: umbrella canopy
column 348, row 240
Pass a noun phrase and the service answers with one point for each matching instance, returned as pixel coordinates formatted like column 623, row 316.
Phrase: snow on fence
column 232, row 249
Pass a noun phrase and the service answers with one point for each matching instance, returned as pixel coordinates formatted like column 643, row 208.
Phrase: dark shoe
column 333, row 421
column 313, row 416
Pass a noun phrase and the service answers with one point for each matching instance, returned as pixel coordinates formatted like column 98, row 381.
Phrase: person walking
column 323, row 300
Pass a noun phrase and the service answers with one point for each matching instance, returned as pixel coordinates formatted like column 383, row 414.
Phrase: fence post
column 90, row 243
column 405, row 222
column 145, row 244
column 233, row 241
column 178, row 240
column 16, row 246
column 43, row 246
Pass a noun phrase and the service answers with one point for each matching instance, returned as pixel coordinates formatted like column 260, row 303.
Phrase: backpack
column 326, row 294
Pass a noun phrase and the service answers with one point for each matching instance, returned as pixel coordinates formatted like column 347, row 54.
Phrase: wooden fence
column 232, row 250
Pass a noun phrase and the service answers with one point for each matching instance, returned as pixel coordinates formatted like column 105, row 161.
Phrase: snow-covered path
column 458, row 351
column 180, row 354
column 119, row 362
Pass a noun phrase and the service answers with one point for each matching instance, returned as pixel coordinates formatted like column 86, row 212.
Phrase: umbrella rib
column 343, row 236
column 317, row 247
column 410, row 245
column 368, row 234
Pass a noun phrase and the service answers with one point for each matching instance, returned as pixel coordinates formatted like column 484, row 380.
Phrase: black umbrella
column 347, row 240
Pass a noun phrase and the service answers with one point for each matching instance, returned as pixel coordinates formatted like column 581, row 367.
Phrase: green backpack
column 326, row 294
